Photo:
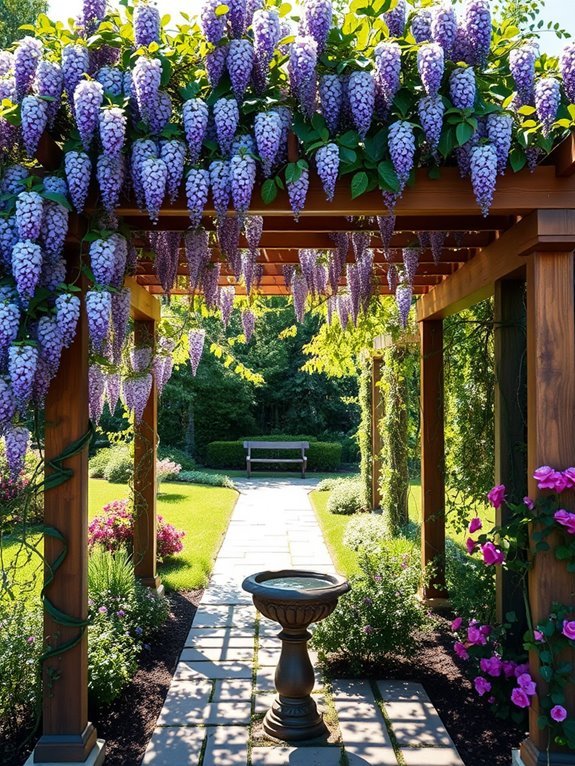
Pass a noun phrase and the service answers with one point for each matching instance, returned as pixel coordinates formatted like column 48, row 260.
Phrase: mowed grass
column 202, row 512
column 333, row 526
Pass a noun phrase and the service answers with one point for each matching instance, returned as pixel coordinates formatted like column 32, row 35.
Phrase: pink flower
column 456, row 624
column 470, row 544
column 529, row 503
column 558, row 713
column 566, row 520
column 496, row 496
column 491, row 554
column 569, row 629
column 485, row 630
column 508, row 667
column 460, row 650
column 538, row 636
column 569, row 474
column 519, row 698
column 482, row 685
column 475, row 636
column 547, row 478
column 491, row 666
column 475, row 524
column 520, row 669
column 527, row 684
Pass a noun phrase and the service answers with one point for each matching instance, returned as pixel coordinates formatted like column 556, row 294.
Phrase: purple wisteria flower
column 67, row 316
column 421, row 26
column 301, row 68
column 210, row 279
column 29, row 213
column 547, row 101
column 154, row 181
column 142, row 149
column 213, row 25
column 173, row 154
column 387, row 58
column 386, row 225
column 195, row 117
column 242, row 180
column 268, row 133
column 483, row 169
column 22, row 363
column 431, row 65
column 297, row 192
column 477, row 24
column 316, row 21
column 431, row 110
column 54, row 228
column 49, row 83
column 96, row 386
column 197, row 190
column 392, row 277
column 401, row 142
column 135, row 394
column 221, row 185
column 267, row 32
column 361, row 98
column 197, row 254
column 410, row 257
column 7, row 402
column 327, row 164
column 103, row 260
column 240, row 64
column 113, row 122
column 196, row 339
column 34, row 116
column 78, row 167
column 88, row 98
column 499, row 133
column 98, row 311
column 331, row 100
column 253, row 227
column 110, row 177
column 462, row 88
column 9, row 323
column 146, row 25
column 403, row 296
column 248, row 323
column 27, row 57
column 112, row 80
column 215, row 62
column 75, row 64
column 395, row 19
column 444, row 26
column 522, row 66
column 227, row 295
column 146, row 78
column 226, row 118
column 16, row 440
column 27, row 261
column 567, row 66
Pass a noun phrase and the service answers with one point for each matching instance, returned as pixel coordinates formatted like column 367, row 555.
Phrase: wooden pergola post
column 376, row 415
column 146, row 313
column 433, row 456
column 67, row 735
column 510, row 343
column 551, row 441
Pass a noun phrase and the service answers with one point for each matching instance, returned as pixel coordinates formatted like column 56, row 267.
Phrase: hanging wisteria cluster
column 242, row 100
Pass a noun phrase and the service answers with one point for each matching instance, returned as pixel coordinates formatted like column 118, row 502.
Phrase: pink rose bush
column 114, row 529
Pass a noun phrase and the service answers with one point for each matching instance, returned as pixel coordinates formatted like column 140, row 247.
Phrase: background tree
column 14, row 13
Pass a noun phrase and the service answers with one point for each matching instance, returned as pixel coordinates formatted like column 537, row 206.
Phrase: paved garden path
column 224, row 679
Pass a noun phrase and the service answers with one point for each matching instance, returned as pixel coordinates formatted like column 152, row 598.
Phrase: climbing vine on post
column 364, row 431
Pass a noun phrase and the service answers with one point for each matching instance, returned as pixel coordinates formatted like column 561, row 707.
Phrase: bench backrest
column 276, row 445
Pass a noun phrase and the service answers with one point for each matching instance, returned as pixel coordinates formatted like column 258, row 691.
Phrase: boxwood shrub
column 321, row 456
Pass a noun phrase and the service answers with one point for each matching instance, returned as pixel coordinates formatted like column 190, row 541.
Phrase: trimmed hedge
column 321, row 456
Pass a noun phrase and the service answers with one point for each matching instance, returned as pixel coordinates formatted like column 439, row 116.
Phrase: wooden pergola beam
column 143, row 305
column 542, row 230
column 156, row 289
column 564, row 157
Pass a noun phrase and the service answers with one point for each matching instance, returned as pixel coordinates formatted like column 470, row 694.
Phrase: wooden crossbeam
column 272, row 290
column 564, row 157
column 473, row 282
column 142, row 305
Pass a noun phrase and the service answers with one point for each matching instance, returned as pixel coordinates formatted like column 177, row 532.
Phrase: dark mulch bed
column 480, row 738
column 127, row 724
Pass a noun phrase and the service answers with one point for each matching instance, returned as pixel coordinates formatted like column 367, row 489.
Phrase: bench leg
column 303, row 467
column 249, row 468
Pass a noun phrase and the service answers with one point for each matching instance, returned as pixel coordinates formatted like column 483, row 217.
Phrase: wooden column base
column 69, row 748
column 154, row 583
column 530, row 755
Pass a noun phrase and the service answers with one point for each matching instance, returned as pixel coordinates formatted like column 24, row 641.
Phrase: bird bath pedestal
column 295, row 599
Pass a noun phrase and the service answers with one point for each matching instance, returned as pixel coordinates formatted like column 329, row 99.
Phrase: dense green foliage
column 347, row 497
column 14, row 13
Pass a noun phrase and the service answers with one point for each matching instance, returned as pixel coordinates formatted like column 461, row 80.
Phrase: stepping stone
column 182, row 697
column 175, row 746
column 402, row 691
column 218, row 616
column 416, row 724
column 432, row 756
column 214, row 713
column 226, row 746
column 233, row 653
column 186, row 671
column 232, row 689
column 200, row 634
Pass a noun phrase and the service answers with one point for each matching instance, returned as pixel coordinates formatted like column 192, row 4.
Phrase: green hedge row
column 321, row 456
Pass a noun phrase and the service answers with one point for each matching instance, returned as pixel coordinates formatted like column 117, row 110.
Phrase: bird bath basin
column 295, row 599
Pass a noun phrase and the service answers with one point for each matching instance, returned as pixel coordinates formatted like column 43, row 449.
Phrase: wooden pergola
column 526, row 243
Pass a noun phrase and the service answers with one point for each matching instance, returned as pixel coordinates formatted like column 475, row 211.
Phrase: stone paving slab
column 211, row 653
column 432, row 756
column 182, row 697
column 401, row 691
column 296, row 756
column 175, row 746
column 186, row 671
column 226, row 746
column 232, row 689
column 417, row 723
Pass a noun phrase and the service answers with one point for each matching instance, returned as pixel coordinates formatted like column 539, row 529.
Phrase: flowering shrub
column 114, row 529
column 167, row 469
column 381, row 614
column 541, row 525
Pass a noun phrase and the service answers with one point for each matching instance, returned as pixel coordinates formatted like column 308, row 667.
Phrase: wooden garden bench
column 276, row 446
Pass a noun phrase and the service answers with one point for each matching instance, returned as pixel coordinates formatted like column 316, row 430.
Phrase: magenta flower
column 475, row 636
column 368, row 629
column 482, row 685
column 508, row 667
column 470, row 544
column 491, row 665
column 520, row 669
column 538, row 636
column 569, row 629
column 569, row 475
column 456, row 624
column 558, row 713
column 103, row 609
column 519, row 698
column 475, row 524
column 548, row 478
column 529, row 503
column 527, row 684
column 31, row 639
column 485, row 630
column 566, row 519
column 491, row 554
column 460, row 650
column 496, row 496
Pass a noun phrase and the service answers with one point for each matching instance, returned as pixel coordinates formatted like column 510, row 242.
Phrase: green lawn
column 333, row 526
column 202, row 512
